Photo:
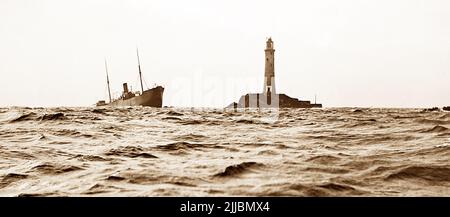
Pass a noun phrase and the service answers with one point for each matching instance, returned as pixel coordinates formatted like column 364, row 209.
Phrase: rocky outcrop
column 258, row 100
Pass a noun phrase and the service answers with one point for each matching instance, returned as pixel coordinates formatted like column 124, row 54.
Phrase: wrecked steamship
column 151, row 97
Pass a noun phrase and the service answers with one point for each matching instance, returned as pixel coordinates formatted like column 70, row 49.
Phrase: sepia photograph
column 239, row 102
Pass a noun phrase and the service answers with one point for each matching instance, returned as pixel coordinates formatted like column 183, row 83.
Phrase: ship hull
column 151, row 97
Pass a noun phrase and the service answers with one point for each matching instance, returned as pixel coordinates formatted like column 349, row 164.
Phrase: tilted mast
column 107, row 81
column 140, row 73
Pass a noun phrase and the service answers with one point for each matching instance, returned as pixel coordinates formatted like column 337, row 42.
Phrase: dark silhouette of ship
column 269, row 98
column 151, row 97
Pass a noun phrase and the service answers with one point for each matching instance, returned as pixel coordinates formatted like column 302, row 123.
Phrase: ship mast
column 107, row 81
column 140, row 73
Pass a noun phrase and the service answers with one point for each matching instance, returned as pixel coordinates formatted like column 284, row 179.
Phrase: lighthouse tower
column 269, row 98
column 269, row 74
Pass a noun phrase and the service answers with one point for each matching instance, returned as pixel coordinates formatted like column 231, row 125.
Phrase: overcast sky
column 372, row 53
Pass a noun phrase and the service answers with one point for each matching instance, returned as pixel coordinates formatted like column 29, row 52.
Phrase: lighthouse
column 269, row 98
column 269, row 73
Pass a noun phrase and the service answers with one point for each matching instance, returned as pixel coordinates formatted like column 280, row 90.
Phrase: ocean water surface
column 140, row 151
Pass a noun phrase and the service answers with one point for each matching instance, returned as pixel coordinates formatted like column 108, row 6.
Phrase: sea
column 141, row 151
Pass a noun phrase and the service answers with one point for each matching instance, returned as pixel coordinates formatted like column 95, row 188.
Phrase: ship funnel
column 125, row 88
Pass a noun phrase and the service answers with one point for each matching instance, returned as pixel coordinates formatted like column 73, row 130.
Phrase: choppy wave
column 432, row 174
column 238, row 169
column 437, row 129
column 214, row 152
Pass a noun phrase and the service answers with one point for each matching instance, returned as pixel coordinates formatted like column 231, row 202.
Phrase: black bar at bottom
column 225, row 206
